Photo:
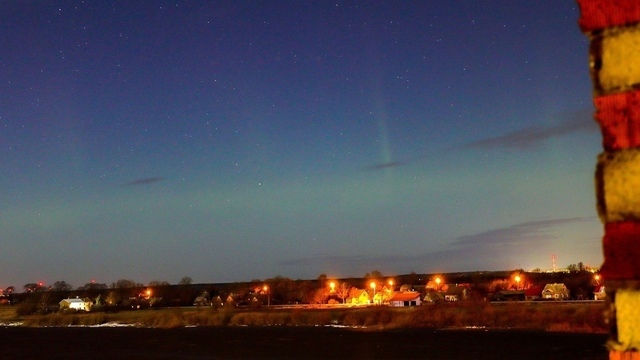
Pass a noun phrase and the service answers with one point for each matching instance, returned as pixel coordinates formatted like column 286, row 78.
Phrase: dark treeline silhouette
column 127, row 294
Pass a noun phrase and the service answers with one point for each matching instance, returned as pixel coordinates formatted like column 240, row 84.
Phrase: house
column 359, row 297
column 407, row 298
column 433, row 296
column 555, row 292
column 77, row 304
column 202, row 300
column 533, row 293
column 599, row 293
column 509, row 295
column 230, row 301
column 216, row 302
column 456, row 293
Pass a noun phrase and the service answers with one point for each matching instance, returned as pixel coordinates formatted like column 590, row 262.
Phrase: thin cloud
column 324, row 259
column 523, row 139
column 386, row 165
column 530, row 137
column 474, row 249
column 519, row 233
column 144, row 181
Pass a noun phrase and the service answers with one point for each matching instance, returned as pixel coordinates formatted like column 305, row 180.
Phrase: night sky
column 239, row 140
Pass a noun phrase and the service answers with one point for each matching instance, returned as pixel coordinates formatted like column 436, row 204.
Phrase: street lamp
column 332, row 285
column 438, row 281
column 391, row 284
column 518, row 278
column 373, row 286
column 266, row 289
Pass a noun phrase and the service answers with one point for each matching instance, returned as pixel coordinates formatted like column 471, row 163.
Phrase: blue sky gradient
column 229, row 141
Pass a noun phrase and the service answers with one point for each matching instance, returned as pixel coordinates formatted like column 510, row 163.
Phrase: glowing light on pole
column 266, row 289
column 373, row 286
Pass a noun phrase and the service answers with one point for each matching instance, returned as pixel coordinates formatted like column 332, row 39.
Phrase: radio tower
column 553, row 262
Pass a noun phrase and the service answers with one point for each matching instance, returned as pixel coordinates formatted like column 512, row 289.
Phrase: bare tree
column 123, row 283
column 374, row 275
column 322, row 279
column 343, row 291
column 32, row 287
column 155, row 283
column 61, row 286
column 93, row 286
column 320, row 296
column 185, row 281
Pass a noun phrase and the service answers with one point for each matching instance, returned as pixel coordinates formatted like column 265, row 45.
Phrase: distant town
column 576, row 282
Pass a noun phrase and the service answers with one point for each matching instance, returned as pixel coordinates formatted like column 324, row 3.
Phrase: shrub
column 384, row 316
column 164, row 319
column 25, row 309
column 298, row 317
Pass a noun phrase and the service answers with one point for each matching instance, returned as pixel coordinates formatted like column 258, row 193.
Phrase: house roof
column 511, row 292
column 73, row 300
column 360, row 292
column 555, row 288
column 456, row 290
column 533, row 291
column 405, row 296
column 432, row 295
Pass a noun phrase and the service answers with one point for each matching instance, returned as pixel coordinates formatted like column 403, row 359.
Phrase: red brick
column 619, row 118
column 621, row 244
column 600, row 14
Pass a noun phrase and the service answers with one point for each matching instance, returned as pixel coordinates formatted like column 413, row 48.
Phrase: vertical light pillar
column 613, row 28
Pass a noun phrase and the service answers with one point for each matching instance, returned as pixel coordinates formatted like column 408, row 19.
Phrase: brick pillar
column 613, row 27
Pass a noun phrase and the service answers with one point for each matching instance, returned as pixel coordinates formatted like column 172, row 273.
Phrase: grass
column 7, row 314
column 549, row 317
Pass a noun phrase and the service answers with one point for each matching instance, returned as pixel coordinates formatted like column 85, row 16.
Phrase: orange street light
column 332, row 285
column 266, row 289
column 373, row 286
column 518, row 278
column 438, row 281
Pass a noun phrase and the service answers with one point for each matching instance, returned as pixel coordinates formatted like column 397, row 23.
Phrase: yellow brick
column 628, row 318
column 620, row 54
column 618, row 185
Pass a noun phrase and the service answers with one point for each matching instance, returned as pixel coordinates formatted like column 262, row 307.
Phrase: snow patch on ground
column 109, row 324
column 345, row 326
column 11, row 324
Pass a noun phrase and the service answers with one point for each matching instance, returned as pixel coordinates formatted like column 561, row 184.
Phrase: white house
column 555, row 292
column 456, row 293
column 409, row 298
column 77, row 304
column 599, row 293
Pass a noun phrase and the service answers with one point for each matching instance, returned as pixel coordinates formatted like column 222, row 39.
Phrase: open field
column 570, row 317
column 234, row 342
column 7, row 314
